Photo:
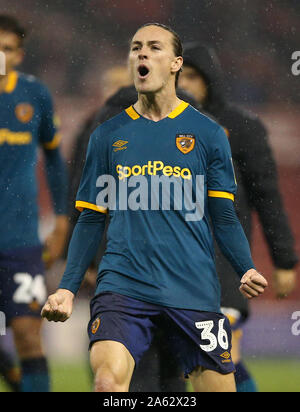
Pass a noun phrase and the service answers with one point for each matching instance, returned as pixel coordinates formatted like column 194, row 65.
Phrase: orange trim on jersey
column 85, row 205
column 224, row 195
column 181, row 108
column 132, row 113
column 11, row 82
column 54, row 144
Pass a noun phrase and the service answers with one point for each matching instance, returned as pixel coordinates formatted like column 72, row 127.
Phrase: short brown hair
column 177, row 44
column 11, row 24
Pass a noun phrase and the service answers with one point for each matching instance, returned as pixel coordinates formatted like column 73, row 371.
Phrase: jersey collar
column 180, row 109
column 175, row 113
column 11, row 82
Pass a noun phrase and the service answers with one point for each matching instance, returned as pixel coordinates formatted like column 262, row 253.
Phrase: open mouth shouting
column 143, row 72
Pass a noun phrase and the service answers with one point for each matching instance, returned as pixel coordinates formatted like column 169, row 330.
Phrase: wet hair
column 177, row 44
column 11, row 24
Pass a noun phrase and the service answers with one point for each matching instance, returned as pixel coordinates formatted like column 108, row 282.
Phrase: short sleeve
column 49, row 135
column 96, row 165
column 221, row 180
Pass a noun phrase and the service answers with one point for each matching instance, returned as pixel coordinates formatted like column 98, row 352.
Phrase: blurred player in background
column 257, row 190
column 113, row 79
column 26, row 123
column 153, row 260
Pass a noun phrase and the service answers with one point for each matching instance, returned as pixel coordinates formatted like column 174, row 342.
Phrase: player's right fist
column 59, row 306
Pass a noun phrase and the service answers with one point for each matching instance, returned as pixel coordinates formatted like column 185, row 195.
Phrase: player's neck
column 157, row 106
column 3, row 83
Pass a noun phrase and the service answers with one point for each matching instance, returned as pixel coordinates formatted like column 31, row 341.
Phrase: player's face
column 191, row 81
column 10, row 45
column 152, row 61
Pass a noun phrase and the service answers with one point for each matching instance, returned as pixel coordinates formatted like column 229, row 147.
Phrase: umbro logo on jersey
column 185, row 142
column 120, row 145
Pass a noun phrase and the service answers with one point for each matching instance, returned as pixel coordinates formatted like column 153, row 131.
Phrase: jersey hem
column 204, row 308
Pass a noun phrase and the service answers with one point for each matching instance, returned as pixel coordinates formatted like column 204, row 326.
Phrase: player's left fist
column 253, row 284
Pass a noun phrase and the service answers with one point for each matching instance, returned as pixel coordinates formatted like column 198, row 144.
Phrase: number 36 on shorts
column 221, row 338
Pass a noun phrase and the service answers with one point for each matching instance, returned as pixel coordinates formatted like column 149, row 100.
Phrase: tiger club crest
column 185, row 142
column 95, row 326
column 24, row 112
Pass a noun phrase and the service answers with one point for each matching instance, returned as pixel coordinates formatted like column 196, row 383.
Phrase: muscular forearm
column 84, row 244
column 230, row 235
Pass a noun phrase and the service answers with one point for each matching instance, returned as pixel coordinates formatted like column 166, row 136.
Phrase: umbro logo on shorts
column 226, row 356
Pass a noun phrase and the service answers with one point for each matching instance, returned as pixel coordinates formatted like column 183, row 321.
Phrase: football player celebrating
column 159, row 261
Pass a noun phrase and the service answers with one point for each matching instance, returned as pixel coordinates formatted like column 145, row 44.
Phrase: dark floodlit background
column 72, row 44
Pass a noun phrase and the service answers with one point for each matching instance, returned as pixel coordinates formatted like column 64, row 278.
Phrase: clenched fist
column 253, row 284
column 59, row 306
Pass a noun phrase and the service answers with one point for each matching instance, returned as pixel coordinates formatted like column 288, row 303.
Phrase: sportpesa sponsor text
column 152, row 169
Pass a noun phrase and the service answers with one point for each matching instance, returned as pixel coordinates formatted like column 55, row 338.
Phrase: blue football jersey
column 26, row 122
column 154, row 179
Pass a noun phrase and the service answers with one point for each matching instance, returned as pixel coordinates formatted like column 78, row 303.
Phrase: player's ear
column 177, row 64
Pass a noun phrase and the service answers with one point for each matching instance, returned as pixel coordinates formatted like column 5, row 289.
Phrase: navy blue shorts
column 195, row 338
column 22, row 283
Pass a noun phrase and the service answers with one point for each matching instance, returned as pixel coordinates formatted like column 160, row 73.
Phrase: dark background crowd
column 72, row 42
